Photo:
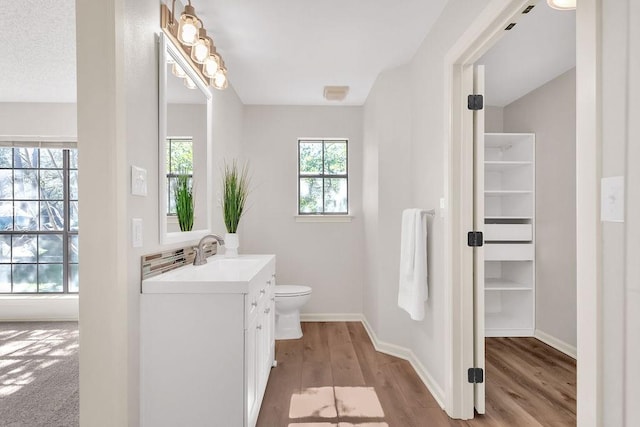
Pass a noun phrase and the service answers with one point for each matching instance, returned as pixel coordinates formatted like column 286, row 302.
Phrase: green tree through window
column 38, row 220
column 323, row 177
column 179, row 158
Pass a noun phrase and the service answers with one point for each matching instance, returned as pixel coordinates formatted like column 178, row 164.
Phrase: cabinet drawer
column 508, row 252
column 508, row 232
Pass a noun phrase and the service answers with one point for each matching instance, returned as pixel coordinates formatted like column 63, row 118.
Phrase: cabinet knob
column 254, row 304
column 268, row 282
column 262, row 291
column 273, row 298
column 267, row 310
column 259, row 327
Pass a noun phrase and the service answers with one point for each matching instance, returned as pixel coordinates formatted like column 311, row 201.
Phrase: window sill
column 34, row 296
column 323, row 218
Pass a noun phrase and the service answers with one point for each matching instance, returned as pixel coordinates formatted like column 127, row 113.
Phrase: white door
column 478, row 252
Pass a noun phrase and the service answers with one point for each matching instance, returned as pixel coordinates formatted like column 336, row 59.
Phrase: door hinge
column 476, row 375
column 475, row 102
column 474, row 238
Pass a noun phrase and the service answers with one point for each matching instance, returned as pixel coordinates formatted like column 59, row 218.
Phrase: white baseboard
column 408, row 355
column 554, row 342
column 490, row 333
column 330, row 317
column 40, row 308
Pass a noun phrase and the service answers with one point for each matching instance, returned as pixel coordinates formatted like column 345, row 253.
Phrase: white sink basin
column 218, row 275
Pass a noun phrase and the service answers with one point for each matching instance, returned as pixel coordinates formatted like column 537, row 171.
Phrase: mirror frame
column 167, row 48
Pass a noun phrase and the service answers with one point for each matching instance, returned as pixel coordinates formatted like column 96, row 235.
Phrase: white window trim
column 323, row 218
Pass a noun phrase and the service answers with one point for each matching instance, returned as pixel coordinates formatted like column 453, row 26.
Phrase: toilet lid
column 292, row 290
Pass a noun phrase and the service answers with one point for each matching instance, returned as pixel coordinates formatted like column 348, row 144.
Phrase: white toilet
column 289, row 299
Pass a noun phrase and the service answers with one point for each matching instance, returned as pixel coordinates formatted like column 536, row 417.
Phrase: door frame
column 479, row 37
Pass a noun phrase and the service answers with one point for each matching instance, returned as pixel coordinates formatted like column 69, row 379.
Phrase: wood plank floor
column 334, row 377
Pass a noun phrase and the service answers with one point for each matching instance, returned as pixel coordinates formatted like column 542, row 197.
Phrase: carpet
column 39, row 374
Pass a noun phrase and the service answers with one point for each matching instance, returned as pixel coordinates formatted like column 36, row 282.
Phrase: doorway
column 463, row 395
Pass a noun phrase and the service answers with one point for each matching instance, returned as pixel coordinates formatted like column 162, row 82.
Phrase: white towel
column 413, row 291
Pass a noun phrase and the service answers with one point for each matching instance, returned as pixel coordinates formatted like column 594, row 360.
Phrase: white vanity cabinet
column 207, row 342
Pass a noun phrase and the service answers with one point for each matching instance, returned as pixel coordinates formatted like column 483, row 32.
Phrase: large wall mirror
column 184, row 143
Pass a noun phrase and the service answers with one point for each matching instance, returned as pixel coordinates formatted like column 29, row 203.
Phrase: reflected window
column 38, row 220
column 179, row 161
column 323, row 180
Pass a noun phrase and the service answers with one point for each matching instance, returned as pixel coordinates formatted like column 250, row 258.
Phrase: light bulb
column 562, row 4
column 211, row 66
column 219, row 81
column 178, row 71
column 189, row 83
column 201, row 48
column 188, row 26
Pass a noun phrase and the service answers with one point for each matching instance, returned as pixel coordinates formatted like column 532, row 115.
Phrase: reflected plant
column 184, row 201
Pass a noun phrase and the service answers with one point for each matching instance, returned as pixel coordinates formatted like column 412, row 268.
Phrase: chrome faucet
column 200, row 256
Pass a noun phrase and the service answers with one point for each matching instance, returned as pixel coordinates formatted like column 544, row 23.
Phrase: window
column 322, row 177
column 38, row 220
column 179, row 162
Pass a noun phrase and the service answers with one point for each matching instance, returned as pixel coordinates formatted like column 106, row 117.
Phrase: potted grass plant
column 235, row 191
column 184, row 201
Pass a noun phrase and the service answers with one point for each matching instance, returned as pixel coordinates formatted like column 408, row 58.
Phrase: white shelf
column 501, row 165
column 506, row 192
column 492, row 284
column 525, row 218
column 509, row 181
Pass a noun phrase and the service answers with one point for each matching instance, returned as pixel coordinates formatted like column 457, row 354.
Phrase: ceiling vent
column 335, row 93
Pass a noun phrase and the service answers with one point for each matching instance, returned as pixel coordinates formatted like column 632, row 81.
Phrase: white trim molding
column 383, row 347
column 38, row 308
column 556, row 343
column 323, row 218
column 330, row 317
column 408, row 355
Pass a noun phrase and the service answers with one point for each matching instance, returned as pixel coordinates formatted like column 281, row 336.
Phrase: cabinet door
column 251, row 367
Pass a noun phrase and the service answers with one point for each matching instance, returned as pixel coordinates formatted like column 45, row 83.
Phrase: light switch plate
column 136, row 232
column 138, row 181
column 612, row 199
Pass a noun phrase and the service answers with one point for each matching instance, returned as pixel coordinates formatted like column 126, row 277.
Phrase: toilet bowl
column 289, row 299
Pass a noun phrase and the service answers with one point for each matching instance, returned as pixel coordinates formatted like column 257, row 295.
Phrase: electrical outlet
column 136, row 232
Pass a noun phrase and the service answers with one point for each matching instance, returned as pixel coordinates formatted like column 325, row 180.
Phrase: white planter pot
column 231, row 244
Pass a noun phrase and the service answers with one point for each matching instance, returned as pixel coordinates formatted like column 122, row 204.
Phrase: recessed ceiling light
column 562, row 4
column 335, row 93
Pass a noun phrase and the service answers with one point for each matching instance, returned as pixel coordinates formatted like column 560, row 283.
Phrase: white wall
column 616, row 121
column 326, row 256
column 117, row 128
column 404, row 150
column 550, row 112
column 38, row 119
column 493, row 119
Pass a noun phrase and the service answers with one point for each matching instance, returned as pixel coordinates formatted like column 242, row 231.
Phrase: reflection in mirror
column 184, row 143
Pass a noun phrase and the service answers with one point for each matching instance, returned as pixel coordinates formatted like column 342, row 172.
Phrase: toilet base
column 288, row 326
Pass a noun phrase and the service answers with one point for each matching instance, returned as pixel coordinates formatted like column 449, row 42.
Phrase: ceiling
column 281, row 52
column 538, row 49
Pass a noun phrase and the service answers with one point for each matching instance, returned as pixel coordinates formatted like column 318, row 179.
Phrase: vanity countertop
column 219, row 275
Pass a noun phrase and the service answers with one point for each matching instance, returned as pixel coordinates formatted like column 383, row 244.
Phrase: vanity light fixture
column 190, row 37
column 202, row 47
column 188, row 25
column 189, row 83
column 219, row 80
column 211, row 64
column 562, row 4
column 178, row 71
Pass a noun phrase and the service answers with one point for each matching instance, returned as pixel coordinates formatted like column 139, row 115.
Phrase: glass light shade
column 219, row 81
column 211, row 66
column 562, row 4
column 177, row 71
column 188, row 26
column 189, row 83
column 201, row 48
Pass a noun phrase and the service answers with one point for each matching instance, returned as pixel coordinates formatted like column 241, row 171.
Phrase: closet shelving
column 509, row 169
